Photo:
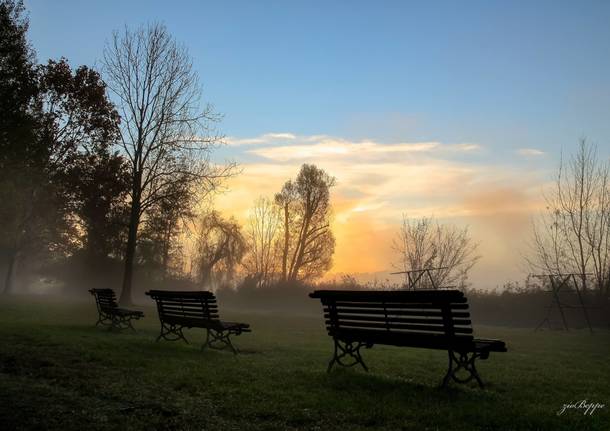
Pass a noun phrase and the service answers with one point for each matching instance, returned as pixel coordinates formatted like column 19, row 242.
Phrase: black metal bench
column 109, row 313
column 432, row 319
column 194, row 309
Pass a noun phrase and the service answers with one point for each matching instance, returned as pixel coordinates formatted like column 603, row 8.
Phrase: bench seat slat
column 405, row 306
column 396, row 314
column 199, row 308
column 396, row 295
column 180, row 294
column 382, row 318
column 399, row 327
column 186, row 303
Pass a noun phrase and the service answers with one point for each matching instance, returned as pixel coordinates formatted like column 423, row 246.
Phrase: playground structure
column 559, row 288
column 416, row 279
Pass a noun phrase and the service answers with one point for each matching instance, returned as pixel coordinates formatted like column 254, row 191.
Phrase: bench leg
column 104, row 320
column 347, row 349
column 121, row 322
column 171, row 333
column 462, row 361
column 219, row 340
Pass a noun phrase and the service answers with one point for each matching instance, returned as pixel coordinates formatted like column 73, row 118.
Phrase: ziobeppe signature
column 588, row 407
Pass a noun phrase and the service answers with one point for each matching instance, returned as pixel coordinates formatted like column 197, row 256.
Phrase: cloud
column 267, row 138
column 530, row 152
column 377, row 182
column 321, row 146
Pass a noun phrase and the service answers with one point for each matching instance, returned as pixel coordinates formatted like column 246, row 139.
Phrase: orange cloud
column 377, row 183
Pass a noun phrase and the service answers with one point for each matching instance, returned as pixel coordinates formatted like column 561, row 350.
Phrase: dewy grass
column 57, row 371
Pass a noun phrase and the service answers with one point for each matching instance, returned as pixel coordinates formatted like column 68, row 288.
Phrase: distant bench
column 194, row 309
column 432, row 319
column 109, row 313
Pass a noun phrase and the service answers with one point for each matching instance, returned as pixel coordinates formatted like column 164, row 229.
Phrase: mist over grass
column 514, row 305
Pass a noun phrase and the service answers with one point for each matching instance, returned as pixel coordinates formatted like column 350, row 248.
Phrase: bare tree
column 425, row 243
column 219, row 248
column 573, row 236
column 308, row 242
column 263, row 260
column 165, row 134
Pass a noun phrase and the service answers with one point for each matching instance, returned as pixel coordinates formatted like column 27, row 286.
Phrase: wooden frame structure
column 414, row 276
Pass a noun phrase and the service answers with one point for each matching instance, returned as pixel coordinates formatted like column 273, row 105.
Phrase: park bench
column 431, row 319
column 109, row 313
column 194, row 309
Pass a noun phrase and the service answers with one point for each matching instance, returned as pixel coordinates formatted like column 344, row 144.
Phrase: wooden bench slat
column 197, row 308
column 426, row 312
column 382, row 318
column 395, row 295
column 394, row 305
column 189, row 303
column 391, row 326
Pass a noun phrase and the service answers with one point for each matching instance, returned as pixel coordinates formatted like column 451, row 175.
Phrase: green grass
column 57, row 371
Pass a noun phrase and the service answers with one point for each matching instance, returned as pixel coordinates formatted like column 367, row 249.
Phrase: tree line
column 115, row 166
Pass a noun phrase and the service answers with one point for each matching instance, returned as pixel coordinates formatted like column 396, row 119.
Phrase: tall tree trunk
column 165, row 251
column 132, row 239
column 286, row 243
column 11, row 272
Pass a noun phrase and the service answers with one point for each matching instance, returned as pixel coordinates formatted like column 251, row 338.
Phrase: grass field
column 57, row 371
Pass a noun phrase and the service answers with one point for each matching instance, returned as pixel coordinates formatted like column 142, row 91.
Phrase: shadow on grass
column 371, row 385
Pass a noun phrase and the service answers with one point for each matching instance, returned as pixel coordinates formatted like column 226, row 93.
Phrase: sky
column 458, row 110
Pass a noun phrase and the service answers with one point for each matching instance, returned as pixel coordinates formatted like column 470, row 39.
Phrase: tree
column 20, row 156
column 18, row 90
column 263, row 259
column 424, row 243
column 219, row 249
column 308, row 242
column 163, row 227
column 98, row 185
column 48, row 115
column 573, row 236
column 164, row 134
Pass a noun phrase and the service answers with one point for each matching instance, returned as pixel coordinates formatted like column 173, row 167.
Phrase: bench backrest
column 185, row 304
column 105, row 299
column 398, row 316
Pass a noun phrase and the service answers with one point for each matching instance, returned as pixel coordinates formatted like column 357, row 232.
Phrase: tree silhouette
column 163, row 225
column 164, row 133
column 573, row 236
column 425, row 243
column 219, row 249
column 52, row 115
column 262, row 262
column 308, row 242
column 21, row 155
column 98, row 185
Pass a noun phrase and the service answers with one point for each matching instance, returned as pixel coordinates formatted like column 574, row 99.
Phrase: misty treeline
column 106, row 172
